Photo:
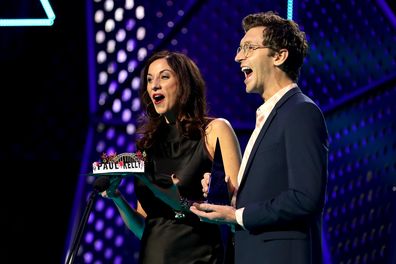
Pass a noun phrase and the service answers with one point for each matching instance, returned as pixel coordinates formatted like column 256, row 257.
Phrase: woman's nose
column 156, row 85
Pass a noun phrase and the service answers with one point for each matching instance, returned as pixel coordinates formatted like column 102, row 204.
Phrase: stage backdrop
column 349, row 73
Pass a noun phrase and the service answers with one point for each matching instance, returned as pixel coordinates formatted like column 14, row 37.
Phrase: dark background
column 44, row 109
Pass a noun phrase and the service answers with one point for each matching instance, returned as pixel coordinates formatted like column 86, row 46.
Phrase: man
column 283, row 175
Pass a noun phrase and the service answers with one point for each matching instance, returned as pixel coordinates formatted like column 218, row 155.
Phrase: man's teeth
column 245, row 69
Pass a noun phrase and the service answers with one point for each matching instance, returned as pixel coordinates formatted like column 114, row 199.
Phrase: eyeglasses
column 248, row 48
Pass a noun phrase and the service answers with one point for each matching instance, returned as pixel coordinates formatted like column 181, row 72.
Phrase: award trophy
column 218, row 190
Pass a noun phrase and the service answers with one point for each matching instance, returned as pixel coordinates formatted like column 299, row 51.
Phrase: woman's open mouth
column 158, row 98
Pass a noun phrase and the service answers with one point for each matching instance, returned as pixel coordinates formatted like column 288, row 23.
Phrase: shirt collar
column 270, row 103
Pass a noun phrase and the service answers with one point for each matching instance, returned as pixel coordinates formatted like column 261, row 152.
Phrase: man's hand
column 212, row 213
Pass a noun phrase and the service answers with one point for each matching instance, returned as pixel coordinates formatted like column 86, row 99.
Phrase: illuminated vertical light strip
column 290, row 9
column 19, row 22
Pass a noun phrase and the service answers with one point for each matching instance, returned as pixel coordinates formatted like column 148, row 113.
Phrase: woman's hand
column 112, row 191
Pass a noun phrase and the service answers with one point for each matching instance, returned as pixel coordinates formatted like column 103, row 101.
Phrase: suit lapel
column 264, row 129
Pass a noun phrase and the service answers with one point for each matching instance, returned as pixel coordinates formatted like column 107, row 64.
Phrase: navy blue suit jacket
column 283, row 187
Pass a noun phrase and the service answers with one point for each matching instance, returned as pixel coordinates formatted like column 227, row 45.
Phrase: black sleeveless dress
column 167, row 239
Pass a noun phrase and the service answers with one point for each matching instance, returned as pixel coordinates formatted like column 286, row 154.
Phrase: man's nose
column 239, row 56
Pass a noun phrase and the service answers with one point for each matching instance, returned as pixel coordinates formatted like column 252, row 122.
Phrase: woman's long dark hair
column 191, row 109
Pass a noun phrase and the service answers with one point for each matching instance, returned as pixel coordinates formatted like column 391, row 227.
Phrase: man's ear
column 280, row 57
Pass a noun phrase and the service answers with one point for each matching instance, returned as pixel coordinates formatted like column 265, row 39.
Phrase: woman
column 179, row 140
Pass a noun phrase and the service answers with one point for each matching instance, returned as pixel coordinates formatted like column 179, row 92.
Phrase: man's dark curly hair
column 280, row 33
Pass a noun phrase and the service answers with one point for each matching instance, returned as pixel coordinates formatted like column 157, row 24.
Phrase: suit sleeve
column 306, row 151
